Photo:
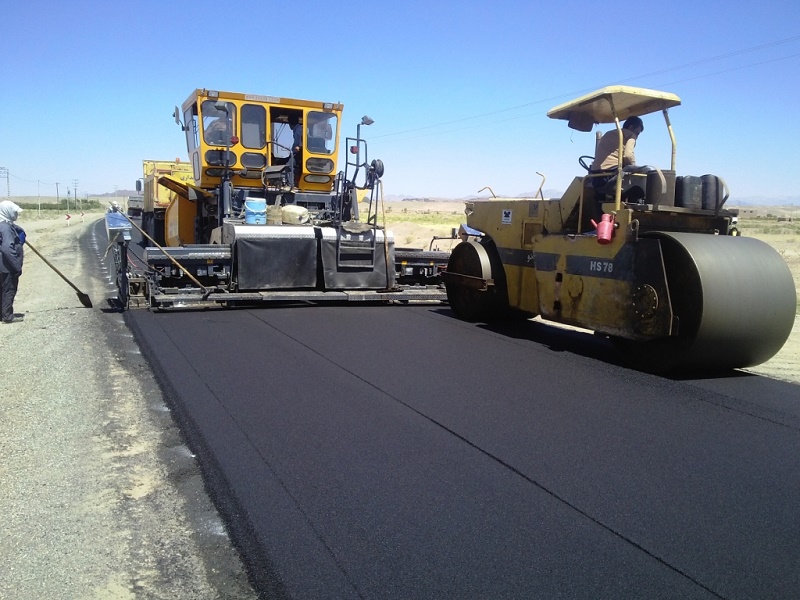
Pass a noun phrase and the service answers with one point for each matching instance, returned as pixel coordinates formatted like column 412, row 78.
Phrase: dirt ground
column 99, row 496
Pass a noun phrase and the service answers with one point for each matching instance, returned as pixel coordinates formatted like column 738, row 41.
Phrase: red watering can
column 605, row 229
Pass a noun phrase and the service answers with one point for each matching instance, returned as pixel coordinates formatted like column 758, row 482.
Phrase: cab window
column 254, row 123
column 282, row 136
column 190, row 125
column 218, row 125
column 320, row 134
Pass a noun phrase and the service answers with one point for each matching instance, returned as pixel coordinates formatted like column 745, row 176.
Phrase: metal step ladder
column 356, row 250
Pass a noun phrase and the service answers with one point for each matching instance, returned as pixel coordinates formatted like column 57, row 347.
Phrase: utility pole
column 58, row 199
column 39, row 196
column 75, row 190
column 4, row 173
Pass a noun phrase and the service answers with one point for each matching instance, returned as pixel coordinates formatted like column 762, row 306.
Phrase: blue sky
column 458, row 89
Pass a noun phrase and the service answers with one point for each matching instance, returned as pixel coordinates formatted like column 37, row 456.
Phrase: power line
column 495, row 122
column 590, row 89
column 763, row 62
column 4, row 172
column 719, row 57
column 38, row 182
column 34, row 180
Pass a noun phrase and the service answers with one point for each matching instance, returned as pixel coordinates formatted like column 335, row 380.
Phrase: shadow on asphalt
column 589, row 345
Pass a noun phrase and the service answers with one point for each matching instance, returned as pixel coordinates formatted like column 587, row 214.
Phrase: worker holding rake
column 12, row 239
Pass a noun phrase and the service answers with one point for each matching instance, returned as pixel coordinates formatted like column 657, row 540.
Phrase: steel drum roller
column 471, row 259
column 734, row 296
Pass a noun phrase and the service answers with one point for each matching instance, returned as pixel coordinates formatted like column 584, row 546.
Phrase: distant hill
column 765, row 201
column 116, row 194
column 404, row 198
column 787, row 201
column 548, row 193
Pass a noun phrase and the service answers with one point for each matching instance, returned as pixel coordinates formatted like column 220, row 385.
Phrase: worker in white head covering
column 12, row 238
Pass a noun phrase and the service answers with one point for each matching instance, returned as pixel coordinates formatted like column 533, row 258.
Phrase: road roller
column 634, row 253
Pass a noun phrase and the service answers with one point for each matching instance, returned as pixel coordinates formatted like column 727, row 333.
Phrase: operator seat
column 317, row 145
column 634, row 183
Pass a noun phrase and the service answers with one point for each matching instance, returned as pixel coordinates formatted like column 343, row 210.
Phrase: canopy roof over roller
column 610, row 103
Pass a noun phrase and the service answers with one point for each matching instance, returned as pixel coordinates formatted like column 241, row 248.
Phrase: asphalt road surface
column 396, row 452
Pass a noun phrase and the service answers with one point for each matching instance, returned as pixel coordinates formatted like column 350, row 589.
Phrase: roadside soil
column 100, row 497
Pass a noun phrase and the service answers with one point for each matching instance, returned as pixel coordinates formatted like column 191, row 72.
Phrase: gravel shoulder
column 99, row 495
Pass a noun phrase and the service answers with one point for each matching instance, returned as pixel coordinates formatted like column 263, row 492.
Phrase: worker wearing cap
column 12, row 238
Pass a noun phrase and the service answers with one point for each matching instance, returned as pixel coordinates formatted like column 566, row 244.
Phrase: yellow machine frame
column 251, row 145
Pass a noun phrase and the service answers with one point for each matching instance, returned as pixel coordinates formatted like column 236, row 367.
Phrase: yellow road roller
column 636, row 253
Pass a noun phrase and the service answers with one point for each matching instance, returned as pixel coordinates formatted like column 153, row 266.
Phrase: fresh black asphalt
column 396, row 452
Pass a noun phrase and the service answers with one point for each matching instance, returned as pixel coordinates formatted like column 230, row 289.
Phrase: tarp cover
column 276, row 263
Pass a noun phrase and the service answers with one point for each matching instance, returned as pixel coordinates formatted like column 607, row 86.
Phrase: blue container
column 255, row 211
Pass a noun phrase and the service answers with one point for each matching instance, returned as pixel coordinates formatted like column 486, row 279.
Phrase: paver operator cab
column 265, row 215
column 249, row 142
column 647, row 258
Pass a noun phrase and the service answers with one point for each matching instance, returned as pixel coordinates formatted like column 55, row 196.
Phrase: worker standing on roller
column 12, row 238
